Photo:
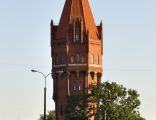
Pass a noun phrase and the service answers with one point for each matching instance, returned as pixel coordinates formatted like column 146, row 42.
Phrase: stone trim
column 93, row 65
column 77, row 64
column 62, row 65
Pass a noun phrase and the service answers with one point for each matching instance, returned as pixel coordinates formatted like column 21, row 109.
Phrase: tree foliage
column 76, row 109
column 50, row 116
column 105, row 101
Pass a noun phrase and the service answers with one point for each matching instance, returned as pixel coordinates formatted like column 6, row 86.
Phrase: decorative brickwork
column 76, row 49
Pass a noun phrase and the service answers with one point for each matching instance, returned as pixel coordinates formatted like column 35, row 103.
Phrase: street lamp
column 45, row 76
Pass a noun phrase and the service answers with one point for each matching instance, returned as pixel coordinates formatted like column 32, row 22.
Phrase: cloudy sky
column 129, row 52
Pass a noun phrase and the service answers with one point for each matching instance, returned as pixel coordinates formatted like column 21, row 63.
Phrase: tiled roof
column 77, row 9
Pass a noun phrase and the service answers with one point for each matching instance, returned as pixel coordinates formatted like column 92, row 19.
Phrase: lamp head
column 33, row 70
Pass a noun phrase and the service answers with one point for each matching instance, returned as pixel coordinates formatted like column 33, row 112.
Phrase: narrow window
column 77, row 32
column 92, row 74
column 92, row 58
column 78, row 58
column 80, row 86
column 74, row 86
column 82, row 59
column 78, row 74
column 62, row 59
column 72, row 59
column 97, row 59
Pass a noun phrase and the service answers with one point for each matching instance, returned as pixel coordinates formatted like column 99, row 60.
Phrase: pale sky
column 129, row 52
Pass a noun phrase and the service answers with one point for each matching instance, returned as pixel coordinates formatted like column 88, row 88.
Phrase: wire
column 21, row 65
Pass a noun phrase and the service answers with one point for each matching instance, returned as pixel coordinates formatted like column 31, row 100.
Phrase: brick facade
column 76, row 49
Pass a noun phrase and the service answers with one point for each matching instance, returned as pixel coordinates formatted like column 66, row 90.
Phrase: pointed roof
column 77, row 9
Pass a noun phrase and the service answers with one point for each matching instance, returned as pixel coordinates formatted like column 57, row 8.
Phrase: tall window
column 92, row 58
column 57, row 60
column 62, row 59
column 80, row 86
column 74, row 86
column 77, row 74
column 72, row 59
column 97, row 59
column 78, row 57
column 82, row 59
column 77, row 32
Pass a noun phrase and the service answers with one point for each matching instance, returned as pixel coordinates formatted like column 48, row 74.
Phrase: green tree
column 76, row 109
column 111, row 102
column 50, row 116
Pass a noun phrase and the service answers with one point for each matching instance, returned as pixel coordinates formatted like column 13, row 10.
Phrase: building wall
column 77, row 53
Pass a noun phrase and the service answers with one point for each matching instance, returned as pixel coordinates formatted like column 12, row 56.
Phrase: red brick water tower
column 76, row 49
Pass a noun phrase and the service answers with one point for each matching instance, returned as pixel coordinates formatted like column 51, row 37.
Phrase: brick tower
column 76, row 49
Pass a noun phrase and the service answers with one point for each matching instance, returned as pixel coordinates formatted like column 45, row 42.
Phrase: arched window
column 92, row 74
column 82, row 59
column 78, row 32
column 92, row 58
column 74, row 86
column 80, row 86
column 62, row 59
column 78, row 57
column 72, row 59
column 78, row 74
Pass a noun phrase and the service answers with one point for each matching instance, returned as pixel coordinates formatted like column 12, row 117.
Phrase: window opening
column 92, row 58
column 98, row 59
column 82, row 59
column 80, row 86
column 77, row 32
column 62, row 59
column 78, row 58
column 72, row 59
column 74, row 86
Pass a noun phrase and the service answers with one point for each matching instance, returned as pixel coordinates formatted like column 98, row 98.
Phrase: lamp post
column 45, row 76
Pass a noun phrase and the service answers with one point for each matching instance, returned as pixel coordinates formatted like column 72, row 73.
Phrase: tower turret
column 76, row 49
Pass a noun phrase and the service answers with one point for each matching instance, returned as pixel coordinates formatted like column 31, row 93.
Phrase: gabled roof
column 77, row 9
